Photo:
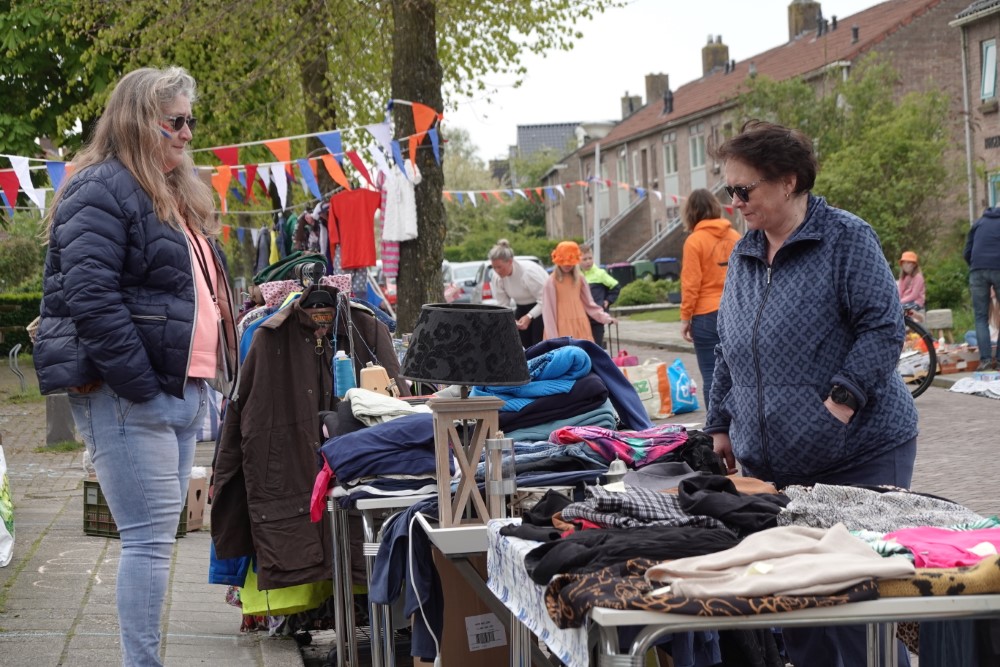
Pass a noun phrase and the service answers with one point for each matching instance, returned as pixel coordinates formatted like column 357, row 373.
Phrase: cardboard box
column 473, row 635
column 197, row 494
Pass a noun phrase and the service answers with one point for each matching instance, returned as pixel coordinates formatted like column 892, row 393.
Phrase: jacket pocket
column 150, row 321
column 803, row 437
column 284, row 535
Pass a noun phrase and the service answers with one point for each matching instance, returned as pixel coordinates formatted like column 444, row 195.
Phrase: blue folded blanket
column 551, row 373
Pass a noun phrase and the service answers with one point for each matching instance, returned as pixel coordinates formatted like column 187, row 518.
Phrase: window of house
column 669, row 153
column 697, row 146
column 989, row 85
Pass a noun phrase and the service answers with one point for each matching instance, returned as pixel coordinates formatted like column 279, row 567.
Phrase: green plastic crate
column 97, row 519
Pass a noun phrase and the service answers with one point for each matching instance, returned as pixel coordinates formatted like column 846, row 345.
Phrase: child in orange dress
column 566, row 299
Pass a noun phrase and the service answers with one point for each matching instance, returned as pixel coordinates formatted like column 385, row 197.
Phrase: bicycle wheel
column 918, row 360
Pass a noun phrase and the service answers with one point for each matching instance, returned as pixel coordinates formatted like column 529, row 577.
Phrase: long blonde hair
column 129, row 131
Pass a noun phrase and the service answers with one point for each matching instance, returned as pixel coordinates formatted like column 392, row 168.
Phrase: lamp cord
column 423, row 615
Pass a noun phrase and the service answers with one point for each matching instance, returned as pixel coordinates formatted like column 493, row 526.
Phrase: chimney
column 854, row 34
column 714, row 55
column 668, row 102
column 802, row 16
column 630, row 104
column 656, row 85
column 833, row 23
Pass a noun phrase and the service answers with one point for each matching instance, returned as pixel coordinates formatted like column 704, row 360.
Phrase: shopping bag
column 652, row 384
column 682, row 390
column 6, row 515
column 282, row 601
column 623, row 358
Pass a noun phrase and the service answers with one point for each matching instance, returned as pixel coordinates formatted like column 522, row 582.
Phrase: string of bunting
column 261, row 175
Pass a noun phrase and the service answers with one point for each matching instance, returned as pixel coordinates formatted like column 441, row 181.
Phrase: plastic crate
column 97, row 519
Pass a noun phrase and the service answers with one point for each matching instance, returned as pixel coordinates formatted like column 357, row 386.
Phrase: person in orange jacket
column 703, row 274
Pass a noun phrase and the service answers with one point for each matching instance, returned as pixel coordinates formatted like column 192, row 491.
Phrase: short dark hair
column 774, row 151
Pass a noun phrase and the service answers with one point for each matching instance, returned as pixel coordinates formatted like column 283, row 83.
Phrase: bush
column 947, row 283
column 642, row 292
column 16, row 312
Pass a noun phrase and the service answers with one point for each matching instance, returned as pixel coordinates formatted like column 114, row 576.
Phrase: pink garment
column 342, row 281
column 549, row 315
column 317, row 504
column 205, row 344
column 276, row 291
column 941, row 547
column 911, row 288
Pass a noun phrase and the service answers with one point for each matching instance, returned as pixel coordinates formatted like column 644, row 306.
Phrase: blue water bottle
column 343, row 373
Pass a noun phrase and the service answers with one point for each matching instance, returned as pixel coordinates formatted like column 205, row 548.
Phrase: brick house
column 666, row 145
column 979, row 26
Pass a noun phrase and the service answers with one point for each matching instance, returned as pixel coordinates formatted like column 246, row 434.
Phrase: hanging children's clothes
column 400, row 222
column 351, row 225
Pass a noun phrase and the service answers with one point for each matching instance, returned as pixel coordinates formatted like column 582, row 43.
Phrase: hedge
column 16, row 313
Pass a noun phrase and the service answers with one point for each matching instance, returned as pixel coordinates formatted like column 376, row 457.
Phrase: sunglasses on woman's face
column 177, row 122
column 743, row 191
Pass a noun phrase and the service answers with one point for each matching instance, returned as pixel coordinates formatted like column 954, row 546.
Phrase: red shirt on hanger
column 351, row 223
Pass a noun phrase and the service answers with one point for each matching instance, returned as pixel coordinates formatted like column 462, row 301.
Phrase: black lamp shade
column 465, row 344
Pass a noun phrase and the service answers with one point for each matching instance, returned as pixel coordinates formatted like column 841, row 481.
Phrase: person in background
column 518, row 284
column 603, row 288
column 912, row 291
column 982, row 254
column 567, row 306
column 709, row 243
column 971, row 338
column 137, row 319
column 810, row 328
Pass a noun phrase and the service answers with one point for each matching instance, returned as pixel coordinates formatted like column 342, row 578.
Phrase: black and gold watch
column 843, row 396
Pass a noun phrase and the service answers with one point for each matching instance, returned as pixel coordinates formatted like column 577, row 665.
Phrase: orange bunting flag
column 447, row 195
column 281, row 149
column 220, row 181
column 228, row 154
column 226, row 231
column 423, row 118
column 69, row 168
column 496, row 194
column 336, row 173
column 538, row 191
column 414, row 143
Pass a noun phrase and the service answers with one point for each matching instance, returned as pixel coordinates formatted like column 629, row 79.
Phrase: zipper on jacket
column 762, row 424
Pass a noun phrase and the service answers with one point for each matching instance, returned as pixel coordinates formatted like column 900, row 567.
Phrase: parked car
column 481, row 290
column 460, row 279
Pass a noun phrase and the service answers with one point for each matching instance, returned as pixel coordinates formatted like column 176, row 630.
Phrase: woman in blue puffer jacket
column 136, row 319
column 810, row 324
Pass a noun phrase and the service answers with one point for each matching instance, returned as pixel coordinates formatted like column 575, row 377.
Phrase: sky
column 618, row 49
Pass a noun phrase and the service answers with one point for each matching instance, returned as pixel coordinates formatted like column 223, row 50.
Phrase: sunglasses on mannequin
column 178, row 122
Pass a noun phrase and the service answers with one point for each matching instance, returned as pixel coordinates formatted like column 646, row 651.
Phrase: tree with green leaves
column 268, row 70
column 881, row 156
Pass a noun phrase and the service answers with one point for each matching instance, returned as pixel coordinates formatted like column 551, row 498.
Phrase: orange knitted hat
column 567, row 253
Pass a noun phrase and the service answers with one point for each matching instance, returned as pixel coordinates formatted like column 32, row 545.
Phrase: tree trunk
column 320, row 113
column 417, row 77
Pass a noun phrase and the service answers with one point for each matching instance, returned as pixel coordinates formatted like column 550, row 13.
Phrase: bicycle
column 918, row 360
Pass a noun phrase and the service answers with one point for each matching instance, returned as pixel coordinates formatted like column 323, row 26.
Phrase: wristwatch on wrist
column 843, row 396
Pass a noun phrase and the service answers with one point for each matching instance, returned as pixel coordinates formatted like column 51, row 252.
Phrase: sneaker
column 986, row 365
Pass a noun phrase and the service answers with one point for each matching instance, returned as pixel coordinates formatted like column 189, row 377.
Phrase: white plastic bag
column 6, row 515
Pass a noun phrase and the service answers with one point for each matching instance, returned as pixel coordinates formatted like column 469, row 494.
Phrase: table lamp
column 465, row 344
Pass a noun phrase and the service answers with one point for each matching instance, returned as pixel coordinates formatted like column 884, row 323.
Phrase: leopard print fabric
column 979, row 579
column 569, row 597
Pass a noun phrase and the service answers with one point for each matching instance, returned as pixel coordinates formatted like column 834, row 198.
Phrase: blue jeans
column 845, row 645
column 143, row 454
column 705, row 333
column 980, row 281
